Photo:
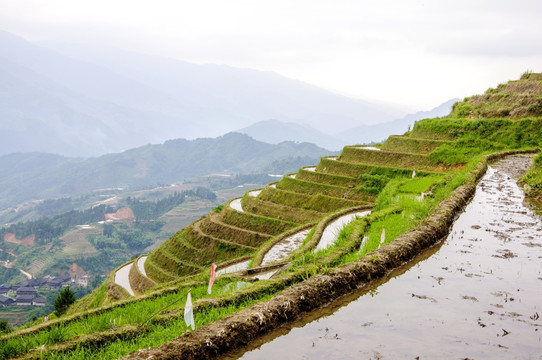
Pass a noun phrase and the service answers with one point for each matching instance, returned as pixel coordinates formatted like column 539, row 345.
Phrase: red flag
column 383, row 236
column 212, row 278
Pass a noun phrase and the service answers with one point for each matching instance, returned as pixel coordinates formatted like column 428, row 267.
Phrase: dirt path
column 27, row 274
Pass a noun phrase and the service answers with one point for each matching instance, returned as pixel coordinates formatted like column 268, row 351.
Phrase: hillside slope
column 413, row 185
column 41, row 176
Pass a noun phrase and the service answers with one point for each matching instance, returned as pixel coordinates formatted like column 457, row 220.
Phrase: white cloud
column 418, row 53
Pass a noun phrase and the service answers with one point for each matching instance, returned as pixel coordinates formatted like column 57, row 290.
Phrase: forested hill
column 37, row 176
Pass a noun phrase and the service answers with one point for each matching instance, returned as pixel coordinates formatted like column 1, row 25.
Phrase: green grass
column 533, row 179
column 385, row 158
column 157, row 334
column 418, row 185
column 411, row 145
column 328, row 179
column 134, row 313
column 318, row 202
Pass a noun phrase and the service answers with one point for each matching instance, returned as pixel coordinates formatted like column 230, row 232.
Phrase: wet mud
column 475, row 295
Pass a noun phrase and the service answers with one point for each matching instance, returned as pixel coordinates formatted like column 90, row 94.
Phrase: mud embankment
column 139, row 281
column 239, row 329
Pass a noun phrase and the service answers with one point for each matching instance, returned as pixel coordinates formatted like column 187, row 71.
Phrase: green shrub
column 373, row 184
column 4, row 327
column 63, row 301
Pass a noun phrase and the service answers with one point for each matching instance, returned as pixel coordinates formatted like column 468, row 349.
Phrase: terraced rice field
column 249, row 222
column 251, row 237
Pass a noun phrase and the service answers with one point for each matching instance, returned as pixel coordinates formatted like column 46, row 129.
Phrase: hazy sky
column 415, row 53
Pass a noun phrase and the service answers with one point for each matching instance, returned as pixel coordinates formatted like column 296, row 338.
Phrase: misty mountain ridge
column 275, row 131
column 363, row 134
column 31, row 176
column 88, row 101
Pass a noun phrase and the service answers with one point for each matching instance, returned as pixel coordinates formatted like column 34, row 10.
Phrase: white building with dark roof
column 39, row 301
column 24, row 300
column 27, row 290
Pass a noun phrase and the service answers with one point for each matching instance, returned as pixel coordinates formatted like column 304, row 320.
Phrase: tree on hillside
column 63, row 301
column 4, row 327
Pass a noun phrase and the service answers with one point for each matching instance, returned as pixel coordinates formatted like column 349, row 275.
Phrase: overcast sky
column 414, row 53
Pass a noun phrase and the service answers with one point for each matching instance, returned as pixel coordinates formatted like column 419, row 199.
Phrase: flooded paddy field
column 476, row 295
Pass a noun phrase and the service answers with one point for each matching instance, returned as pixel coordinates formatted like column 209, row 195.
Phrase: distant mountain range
column 30, row 176
column 83, row 100
column 379, row 132
column 275, row 131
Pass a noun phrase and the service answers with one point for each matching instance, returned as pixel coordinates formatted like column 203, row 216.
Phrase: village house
column 39, row 301
column 24, row 300
column 54, row 284
column 5, row 301
column 4, row 288
column 28, row 290
column 57, row 282
column 83, row 280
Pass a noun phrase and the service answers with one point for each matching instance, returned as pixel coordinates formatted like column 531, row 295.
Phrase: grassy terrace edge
column 238, row 329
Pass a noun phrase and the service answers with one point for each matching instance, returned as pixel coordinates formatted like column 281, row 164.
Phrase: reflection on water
column 331, row 232
column 478, row 296
column 236, row 205
column 232, row 287
column 233, row 268
column 285, row 247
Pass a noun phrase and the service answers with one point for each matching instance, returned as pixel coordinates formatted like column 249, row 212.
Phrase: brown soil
column 76, row 271
column 121, row 214
column 139, row 282
column 27, row 241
